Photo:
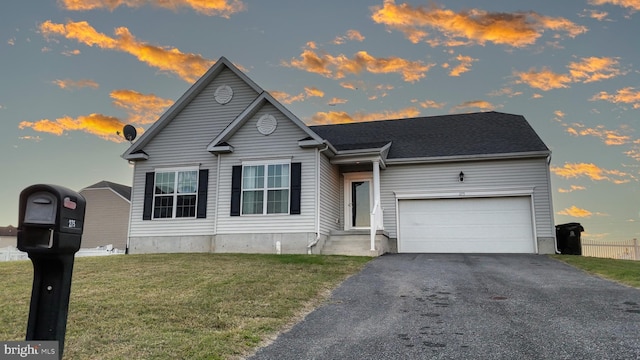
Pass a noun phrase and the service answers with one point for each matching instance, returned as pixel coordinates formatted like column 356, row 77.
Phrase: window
column 265, row 189
column 175, row 194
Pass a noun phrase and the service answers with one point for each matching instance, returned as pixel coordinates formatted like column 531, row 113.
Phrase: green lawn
column 623, row 271
column 177, row 306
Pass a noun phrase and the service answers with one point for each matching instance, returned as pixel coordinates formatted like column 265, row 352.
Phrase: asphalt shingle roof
column 123, row 190
column 435, row 136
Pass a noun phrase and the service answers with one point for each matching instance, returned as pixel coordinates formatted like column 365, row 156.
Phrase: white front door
column 358, row 200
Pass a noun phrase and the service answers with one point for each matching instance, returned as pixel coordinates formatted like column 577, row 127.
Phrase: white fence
column 625, row 250
column 11, row 253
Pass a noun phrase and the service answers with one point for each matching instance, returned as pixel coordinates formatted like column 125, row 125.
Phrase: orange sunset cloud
column 105, row 127
column 142, row 108
column 285, row 98
column 609, row 137
column 336, row 67
column 430, row 104
column 353, row 35
column 474, row 104
column 187, row 66
column 507, row 91
column 464, row 66
column 627, row 95
column 594, row 69
column 222, row 8
column 474, row 26
column 544, row 79
column 341, row 117
column 631, row 4
column 587, row 70
column 75, row 84
column 571, row 189
column 336, row 101
column 313, row 92
column 591, row 171
column 594, row 14
column 575, row 212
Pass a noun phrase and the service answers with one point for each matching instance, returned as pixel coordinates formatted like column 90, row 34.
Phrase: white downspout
column 555, row 241
column 317, row 239
column 133, row 180
column 215, row 214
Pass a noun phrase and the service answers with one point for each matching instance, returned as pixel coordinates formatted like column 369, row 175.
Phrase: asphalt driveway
column 437, row 306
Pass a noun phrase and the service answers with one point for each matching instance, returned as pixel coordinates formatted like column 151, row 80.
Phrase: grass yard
column 177, row 306
column 623, row 271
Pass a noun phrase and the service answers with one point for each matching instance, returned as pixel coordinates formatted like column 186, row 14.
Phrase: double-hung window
column 265, row 188
column 175, row 193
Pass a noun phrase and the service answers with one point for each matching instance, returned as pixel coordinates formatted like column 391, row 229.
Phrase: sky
column 74, row 72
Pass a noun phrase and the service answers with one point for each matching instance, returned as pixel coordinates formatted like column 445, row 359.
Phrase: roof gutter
column 460, row 158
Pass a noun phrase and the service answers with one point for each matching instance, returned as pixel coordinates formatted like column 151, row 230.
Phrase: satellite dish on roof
column 129, row 132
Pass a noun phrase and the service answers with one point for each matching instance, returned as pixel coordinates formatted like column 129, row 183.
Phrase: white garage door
column 469, row 225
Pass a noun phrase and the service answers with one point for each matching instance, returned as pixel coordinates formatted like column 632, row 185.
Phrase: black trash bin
column 568, row 237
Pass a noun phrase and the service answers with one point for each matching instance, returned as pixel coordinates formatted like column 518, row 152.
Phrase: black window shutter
column 203, row 184
column 147, row 209
column 296, row 188
column 236, row 189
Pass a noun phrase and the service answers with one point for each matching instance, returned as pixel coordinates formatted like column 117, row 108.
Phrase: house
column 8, row 236
column 229, row 169
column 106, row 220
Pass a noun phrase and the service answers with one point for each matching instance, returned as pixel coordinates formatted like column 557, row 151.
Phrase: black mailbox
column 51, row 219
column 50, row 226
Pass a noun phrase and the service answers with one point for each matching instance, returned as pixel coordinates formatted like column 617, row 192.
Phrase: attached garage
column 466, row 225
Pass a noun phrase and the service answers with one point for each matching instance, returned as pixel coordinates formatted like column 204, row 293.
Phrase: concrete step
column 355, row 243
column 348, row 243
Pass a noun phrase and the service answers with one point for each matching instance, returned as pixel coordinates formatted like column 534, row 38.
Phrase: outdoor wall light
column 461, row 175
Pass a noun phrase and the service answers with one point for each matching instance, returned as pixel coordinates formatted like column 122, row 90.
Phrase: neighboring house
column 106, row 220
column 229, row 169
column 8, row 236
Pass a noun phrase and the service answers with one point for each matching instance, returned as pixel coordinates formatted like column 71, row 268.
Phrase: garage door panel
column 470, row 225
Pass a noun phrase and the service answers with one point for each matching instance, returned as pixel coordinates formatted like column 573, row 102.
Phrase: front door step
column 354, row 243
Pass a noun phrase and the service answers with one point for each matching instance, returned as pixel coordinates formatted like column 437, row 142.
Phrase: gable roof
column 134, row 152
column 447, row 136
column 256, row 105
column 123, row 190
column 435, row 138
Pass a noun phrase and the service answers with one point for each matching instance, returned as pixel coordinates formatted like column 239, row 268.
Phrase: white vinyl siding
column 183, row 142
column 486, row 176
column 251, row 146
column 330, row 204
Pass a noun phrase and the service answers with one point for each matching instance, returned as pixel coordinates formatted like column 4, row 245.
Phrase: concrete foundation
column 283, row 243
column 274, row 243
column 170, row 244
column 546, row 245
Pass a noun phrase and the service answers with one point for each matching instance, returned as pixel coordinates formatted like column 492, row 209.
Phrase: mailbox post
column 50, row 228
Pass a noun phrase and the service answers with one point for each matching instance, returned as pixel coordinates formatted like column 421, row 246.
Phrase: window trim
column 175, row 194
column 265, row 189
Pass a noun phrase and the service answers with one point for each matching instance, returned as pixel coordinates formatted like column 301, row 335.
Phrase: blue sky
column 75, row 71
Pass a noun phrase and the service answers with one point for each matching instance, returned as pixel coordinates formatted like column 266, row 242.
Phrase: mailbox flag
column 69, row 204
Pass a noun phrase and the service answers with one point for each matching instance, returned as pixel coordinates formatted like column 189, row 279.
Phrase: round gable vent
column 223, row 94
column 267, row 124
